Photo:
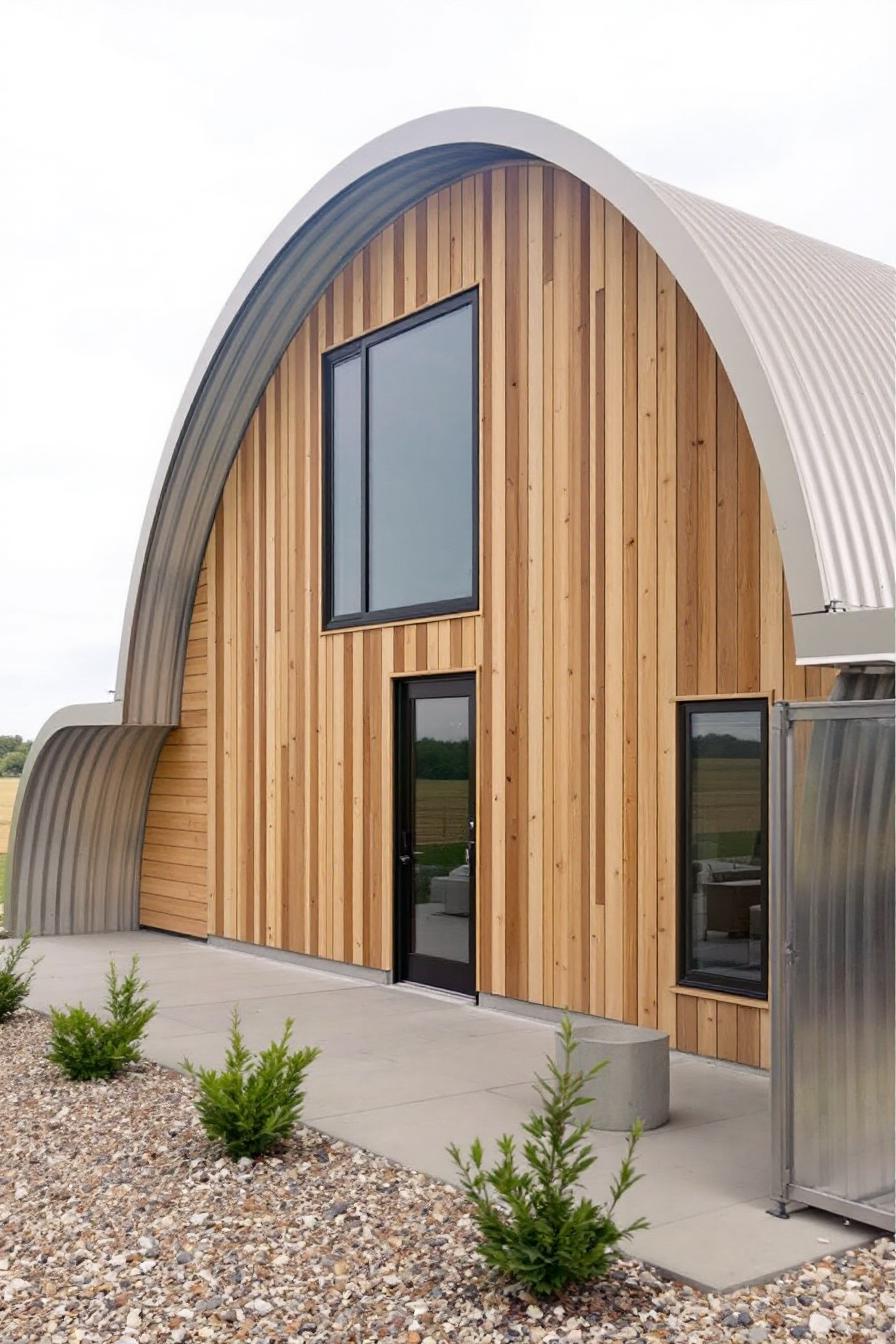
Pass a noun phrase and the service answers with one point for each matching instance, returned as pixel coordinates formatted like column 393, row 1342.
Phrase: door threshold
column 455, row 995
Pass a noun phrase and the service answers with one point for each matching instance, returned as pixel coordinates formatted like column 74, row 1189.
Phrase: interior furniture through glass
column 724, row 882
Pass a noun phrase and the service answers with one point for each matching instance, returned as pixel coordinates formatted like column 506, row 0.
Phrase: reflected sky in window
column 421, row 464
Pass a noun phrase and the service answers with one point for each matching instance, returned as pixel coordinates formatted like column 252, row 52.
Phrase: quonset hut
column 509, row 491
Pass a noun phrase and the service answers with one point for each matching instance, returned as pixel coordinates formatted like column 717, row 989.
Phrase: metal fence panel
column 833, row 955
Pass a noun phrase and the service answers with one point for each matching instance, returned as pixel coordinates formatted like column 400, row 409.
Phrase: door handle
column 404, row 858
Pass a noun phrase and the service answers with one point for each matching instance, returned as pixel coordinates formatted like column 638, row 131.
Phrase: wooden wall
column 175, row 871
column 628, row 557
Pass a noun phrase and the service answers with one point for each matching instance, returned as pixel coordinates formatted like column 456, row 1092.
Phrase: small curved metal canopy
column 804, row 332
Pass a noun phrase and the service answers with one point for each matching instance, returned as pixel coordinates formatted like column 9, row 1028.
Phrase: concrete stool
column 635, row 1083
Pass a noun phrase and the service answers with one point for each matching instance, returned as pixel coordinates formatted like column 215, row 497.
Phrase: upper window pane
column 347, row 459
column 421, row 464
column 401, row 466
column 724, row 873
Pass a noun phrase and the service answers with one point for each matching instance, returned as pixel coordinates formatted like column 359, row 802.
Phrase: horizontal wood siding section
column 627, row 558
column 175, row 866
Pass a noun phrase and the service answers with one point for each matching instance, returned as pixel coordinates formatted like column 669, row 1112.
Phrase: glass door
column 435, row 841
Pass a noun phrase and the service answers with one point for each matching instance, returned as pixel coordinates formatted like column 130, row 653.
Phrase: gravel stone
column 104, row 1186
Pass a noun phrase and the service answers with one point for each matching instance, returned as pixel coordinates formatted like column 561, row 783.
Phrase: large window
column 401, row 469
column 724, row 882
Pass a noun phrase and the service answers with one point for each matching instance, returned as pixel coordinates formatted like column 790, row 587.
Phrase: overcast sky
column 148, row 148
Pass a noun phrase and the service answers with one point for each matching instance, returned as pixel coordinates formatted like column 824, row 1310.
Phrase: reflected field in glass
column 441, row 802
column 724, row 838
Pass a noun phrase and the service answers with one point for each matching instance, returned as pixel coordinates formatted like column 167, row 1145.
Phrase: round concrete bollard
column 634, row 1084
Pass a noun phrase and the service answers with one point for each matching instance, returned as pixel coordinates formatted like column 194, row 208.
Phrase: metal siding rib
column 78, row 840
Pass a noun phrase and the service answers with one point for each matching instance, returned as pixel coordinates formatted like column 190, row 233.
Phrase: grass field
column 440, row 837
column 7, row 798
column 441, row 807
column 725, row 799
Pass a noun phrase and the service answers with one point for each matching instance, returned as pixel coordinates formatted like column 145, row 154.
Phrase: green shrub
column 250, row 1105
column 532, row 1226
column 85, row 1046
column 14, row 984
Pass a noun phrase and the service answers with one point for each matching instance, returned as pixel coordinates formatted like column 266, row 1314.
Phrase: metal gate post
column 780, row 957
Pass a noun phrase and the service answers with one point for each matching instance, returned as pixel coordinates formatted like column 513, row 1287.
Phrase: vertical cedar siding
column 174, row 877
column 627, row 557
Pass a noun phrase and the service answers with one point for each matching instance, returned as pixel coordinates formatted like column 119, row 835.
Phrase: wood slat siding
column 174, row 873
column 628, row 558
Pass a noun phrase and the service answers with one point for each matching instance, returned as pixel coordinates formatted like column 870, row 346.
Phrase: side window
column 401, row 469
column 723, row 912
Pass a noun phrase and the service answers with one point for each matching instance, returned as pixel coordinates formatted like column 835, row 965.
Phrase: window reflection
column 421, row 464
column 401, row 466
column 724, row 833
column 347, row 450
column 441, row 914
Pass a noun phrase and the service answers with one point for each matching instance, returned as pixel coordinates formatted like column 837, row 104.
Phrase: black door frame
column 437, row 972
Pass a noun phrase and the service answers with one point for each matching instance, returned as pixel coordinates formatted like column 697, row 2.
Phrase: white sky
column 148, row 147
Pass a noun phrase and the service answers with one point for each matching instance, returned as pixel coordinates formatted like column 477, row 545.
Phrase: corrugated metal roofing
column 821, row 321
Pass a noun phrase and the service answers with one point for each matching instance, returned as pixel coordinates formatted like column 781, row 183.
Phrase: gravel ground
column 120, row 1222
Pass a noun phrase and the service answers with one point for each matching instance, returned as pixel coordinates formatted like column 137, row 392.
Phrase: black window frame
column 361, row 346
column 711, row 980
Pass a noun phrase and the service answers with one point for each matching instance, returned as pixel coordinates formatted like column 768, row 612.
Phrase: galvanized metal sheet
column 833, row 1005
column 77, row 832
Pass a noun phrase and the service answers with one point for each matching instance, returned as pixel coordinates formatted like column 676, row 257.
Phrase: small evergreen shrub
column 252, row 1104
column 86, row 1046
column 15, row 983
column 532, row 1225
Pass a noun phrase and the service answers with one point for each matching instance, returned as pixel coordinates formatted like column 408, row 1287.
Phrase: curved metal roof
column 821, row 321
column 804, row 331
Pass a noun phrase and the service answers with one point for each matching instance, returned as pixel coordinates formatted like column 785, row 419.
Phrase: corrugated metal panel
column 822, row 321
column 836, row 992
column 77, row 841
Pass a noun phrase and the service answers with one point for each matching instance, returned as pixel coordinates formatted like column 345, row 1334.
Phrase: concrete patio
column 404, row 1072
